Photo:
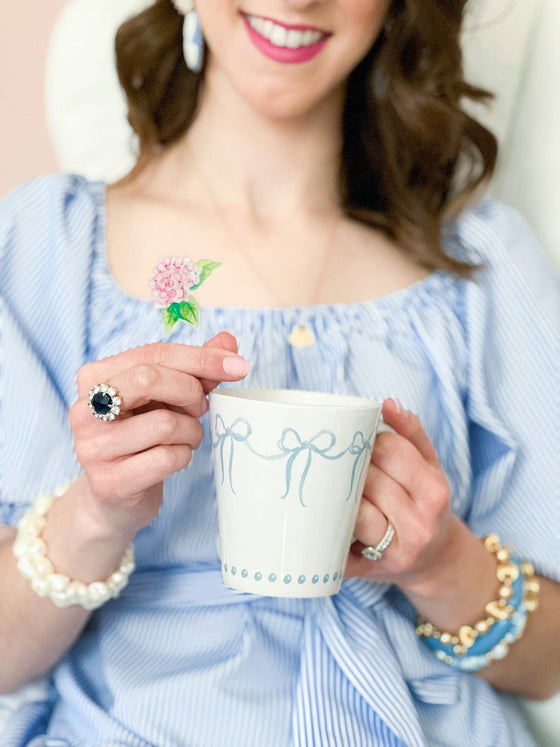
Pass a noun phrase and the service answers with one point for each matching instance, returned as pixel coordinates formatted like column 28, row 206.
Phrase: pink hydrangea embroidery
column 172, row 284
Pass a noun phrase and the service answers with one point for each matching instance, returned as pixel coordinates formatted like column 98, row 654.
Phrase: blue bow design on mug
column 291, row 443
column 358, row 447
column 240, row 430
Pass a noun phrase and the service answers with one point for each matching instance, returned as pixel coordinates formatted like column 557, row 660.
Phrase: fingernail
column 205, row 405
column 398, row 406
column 236, row 366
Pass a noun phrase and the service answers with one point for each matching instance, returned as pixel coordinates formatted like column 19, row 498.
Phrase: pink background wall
column 25, row 148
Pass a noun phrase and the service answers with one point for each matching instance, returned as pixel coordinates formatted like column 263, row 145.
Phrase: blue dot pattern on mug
column 288, row 578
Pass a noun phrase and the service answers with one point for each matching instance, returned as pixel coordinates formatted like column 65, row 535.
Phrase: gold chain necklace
column 301, row 334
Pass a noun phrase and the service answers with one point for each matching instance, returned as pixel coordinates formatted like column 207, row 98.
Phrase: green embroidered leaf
column 171, row 316
column 207, row 266
column 189, row 311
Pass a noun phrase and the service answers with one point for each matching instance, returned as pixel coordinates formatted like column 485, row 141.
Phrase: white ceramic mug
column 290, row 468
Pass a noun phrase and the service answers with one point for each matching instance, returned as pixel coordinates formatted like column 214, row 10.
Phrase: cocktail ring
column 104, row 402
column 376, row 552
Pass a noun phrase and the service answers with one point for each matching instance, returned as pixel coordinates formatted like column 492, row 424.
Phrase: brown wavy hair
column 411, row 156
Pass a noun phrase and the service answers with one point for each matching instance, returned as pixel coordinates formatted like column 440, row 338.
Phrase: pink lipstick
column 285, row 54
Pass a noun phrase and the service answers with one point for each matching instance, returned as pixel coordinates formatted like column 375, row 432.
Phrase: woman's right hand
column 163, row 389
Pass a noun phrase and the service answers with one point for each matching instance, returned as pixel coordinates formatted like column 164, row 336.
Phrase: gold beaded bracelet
column 499, row 609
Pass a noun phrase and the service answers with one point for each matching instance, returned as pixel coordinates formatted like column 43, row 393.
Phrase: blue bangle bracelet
column 474, row 663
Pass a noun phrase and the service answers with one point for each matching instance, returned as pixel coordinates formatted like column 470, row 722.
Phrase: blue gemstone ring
column 104, row 402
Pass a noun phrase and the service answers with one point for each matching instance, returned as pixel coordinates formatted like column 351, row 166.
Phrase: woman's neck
column 267, row 168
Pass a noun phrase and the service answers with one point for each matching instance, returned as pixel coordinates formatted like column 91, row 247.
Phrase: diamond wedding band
column 375, row 552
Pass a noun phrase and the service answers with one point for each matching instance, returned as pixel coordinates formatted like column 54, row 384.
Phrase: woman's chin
column 280, row 112
column 285, row 104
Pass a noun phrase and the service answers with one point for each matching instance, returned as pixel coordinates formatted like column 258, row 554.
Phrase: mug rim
column 248, row 394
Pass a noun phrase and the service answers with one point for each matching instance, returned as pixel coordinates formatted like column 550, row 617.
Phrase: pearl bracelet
column 31, row 552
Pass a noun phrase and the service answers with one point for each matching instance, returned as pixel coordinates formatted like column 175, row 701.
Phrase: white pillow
column 529, row 175
column 85, row 108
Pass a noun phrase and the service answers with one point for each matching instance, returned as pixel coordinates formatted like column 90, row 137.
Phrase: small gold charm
column 494, row 609
column 301, row 336
column 492, row 543
column 503, row 555
column 467, row 636
column 507, row 573
column 531, row 604
column 506, row 592
column 483, row 626
column 527, row 569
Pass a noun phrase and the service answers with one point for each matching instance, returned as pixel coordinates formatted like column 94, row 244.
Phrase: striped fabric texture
column 179, row 660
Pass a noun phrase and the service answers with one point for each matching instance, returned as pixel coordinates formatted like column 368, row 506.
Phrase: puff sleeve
column 46, row 231
column 512, row 328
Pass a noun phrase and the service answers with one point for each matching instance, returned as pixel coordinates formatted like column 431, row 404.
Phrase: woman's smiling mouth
column 283, row 42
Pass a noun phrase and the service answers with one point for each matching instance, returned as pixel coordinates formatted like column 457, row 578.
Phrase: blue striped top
column 179, row 659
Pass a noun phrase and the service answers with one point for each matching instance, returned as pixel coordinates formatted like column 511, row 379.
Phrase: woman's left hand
column 406, row 485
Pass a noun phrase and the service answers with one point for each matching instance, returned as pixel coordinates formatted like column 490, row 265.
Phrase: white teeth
column 309, row 37
column 267, row 29
column 279, row 36
column 294, row 39
column 283, row 37
column 259, row 24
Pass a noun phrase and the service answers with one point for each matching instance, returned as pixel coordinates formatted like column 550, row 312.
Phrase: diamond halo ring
column 104, row 402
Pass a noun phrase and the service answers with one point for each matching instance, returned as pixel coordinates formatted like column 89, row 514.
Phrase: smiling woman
column 404, row 132
column 318, row 151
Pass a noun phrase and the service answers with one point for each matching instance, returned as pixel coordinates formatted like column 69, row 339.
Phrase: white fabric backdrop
column 514, row 50
column 85, row 108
